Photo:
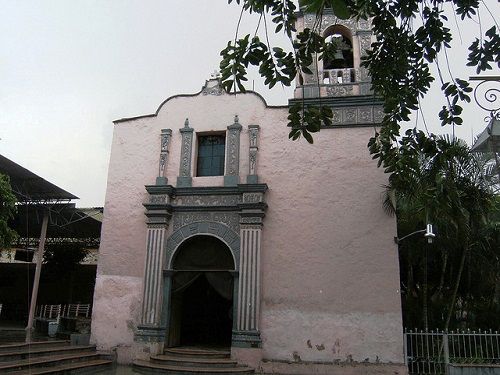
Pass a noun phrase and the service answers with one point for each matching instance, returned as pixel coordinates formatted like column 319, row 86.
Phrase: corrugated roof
column 65, row 221
column 29, row 187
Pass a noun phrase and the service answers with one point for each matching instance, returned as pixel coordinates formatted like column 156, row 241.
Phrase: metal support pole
column 36, row 281
column 446, row 352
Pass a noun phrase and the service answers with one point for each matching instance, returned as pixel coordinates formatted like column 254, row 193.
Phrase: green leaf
column 307, row 136
column 340, row 9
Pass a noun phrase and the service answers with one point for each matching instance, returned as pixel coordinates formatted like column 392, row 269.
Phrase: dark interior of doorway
column 206, row 316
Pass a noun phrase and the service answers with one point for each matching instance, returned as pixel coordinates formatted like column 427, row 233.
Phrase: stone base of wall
column 305, row 368
column 247, row 356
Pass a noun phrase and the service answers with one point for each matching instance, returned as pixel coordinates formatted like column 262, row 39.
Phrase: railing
column 70, row 310
column 339, row 76
column 430, row 352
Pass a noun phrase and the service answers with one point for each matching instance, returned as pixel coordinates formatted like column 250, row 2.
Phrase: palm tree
column 437, row 180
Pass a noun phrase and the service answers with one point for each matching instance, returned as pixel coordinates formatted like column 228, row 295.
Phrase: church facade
column 220, row 231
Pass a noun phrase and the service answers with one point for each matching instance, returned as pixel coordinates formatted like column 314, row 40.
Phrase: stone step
column 31, row 352
column 148, row 367
column 36, row 344
column 196, row 352
column 85, row 367
column 195, row 361
column 48, row 360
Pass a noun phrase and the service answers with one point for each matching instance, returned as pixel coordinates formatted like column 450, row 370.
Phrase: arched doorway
column 202, row 293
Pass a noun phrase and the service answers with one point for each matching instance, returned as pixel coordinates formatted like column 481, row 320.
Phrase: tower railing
column 339, row 76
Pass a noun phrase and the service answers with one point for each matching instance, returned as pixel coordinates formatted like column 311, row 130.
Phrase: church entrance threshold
column 201, row 313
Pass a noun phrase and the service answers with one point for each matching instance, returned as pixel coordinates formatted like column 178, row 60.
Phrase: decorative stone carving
column 231, row 177
column 357, row 115
column 365, row 42
column 207, row 200
column 228, row 235
column 250, row 226
column 184, row 178
column 155, row 226
column 364, row 76
column 339, row 90
column 158, row 199
column 212, row 86
column 252, row 156
column 184, row 218
column 365, row 115
column 350, row 115
column 378, row 114
column 364, row 24
column 253, row 197
column 229, row 219
column 251, row 220
column 328, row 20
column 165, row 141
column 253, row 133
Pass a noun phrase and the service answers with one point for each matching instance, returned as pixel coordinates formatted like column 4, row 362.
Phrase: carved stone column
column 253, row 133
column 166, row 135
column 158, row 212
column 232, row 177
column 184, row 179
column 247, row 332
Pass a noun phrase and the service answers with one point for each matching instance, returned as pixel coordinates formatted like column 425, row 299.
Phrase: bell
column 338, row 55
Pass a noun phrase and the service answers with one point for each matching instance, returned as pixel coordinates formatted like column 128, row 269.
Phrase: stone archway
column 190, row 266
column 202, row 290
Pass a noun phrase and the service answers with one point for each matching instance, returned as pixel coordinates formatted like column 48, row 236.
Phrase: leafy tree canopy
column 7, row 210
column 455, row 281
column 61, row 259
column 410, row 35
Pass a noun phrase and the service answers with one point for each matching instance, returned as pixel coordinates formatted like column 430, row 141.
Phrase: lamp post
column 487, row 97
column 429, row 235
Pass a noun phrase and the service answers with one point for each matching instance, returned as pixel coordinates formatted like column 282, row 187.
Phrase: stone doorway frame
column 234, row 215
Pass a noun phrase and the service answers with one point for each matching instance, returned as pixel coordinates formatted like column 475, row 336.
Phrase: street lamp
column 428, row 233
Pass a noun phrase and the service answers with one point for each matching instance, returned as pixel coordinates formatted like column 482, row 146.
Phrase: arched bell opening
column 201, row 309
column 341, row 38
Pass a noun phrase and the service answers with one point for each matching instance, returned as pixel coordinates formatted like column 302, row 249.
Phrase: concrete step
column 31, row 352
column 148, row 367
column 36, row 344
column 48, row 360
column 195, row 361
column 85, row 367
column 196, row 352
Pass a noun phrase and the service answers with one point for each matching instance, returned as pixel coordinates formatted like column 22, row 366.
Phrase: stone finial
column 236, row 119
column 186, row 123
column 215, row 74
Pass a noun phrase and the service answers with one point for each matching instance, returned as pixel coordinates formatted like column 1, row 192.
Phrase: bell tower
column 343, row 75
column 341, row 83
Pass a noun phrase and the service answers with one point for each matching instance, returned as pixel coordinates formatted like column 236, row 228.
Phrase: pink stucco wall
column 330, row 272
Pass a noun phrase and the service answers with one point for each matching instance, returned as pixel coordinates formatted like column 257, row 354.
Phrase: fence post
column 446, row 352
column 405, row 347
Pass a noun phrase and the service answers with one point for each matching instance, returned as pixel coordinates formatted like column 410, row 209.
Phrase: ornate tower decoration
column 342, row 77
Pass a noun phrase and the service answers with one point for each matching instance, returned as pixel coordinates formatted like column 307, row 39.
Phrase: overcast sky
column 69, row 68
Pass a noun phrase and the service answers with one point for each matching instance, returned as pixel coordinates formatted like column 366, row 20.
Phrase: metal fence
column 430, row 352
